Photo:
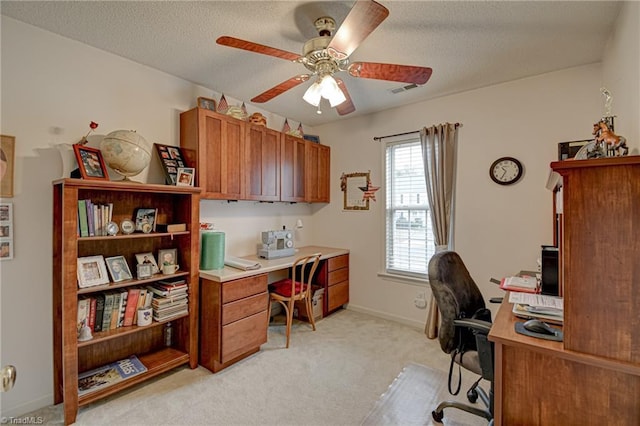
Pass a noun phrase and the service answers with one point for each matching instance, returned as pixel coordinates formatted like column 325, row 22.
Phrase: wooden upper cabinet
column 292, row 169
column 318, row 170
column 214, row 144
column 262, row 163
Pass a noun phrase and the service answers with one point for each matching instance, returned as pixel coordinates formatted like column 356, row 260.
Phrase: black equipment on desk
column 550, row 272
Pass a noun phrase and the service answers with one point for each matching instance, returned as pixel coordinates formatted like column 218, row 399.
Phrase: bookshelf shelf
column 71, row 357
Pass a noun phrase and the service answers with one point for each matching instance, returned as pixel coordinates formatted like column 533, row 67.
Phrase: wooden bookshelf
column 71, row 357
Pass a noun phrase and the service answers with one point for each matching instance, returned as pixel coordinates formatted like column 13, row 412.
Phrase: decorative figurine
column 616, row 146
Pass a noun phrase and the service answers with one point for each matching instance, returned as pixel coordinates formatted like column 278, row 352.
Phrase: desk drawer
column 338, row 276
column 244, row 287
column 242, row 336
column 242, row 308
column 338, row 262
column 338, row 295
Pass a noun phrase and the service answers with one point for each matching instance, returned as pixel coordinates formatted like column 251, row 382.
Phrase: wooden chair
column 298, row 287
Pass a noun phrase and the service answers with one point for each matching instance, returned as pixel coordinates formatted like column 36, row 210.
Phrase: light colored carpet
column 332, row 376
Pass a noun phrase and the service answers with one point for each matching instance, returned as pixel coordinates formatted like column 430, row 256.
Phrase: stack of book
column 93, row 218
column 170, row 299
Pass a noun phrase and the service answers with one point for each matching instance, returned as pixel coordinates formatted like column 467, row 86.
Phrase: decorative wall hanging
column 7, row 154
column 6, row 231
column 350, row 184
column 369, row 191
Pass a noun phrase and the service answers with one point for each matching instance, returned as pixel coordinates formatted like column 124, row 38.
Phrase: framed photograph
column 148, row 259
column 146, row 219
column 6, row 231
column 568, row 150
column 168, row 257
column 90, row 163
column 185, row 176
column 207, row 103
column 350, row 184
column 144, row 270
column 171, row 159
column 118, row 268
column 7, row 154
column 92, row 271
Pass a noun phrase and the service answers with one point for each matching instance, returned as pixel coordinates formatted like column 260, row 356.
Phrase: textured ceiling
column 468, row 44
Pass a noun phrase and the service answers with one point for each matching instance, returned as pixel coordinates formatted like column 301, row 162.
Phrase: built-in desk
column 539, row 382
column 234, row 303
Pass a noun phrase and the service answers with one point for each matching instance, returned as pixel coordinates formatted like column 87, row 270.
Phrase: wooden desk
column 539, row 382
column 234, row 303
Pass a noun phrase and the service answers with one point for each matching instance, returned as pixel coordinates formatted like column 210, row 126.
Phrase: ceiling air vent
column 403, row 88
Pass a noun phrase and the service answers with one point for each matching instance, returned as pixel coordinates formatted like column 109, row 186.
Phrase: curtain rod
column 379, row 138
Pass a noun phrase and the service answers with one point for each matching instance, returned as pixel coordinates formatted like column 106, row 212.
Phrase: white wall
column 53, row 87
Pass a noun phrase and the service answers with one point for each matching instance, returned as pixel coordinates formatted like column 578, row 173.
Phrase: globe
column 126, row 152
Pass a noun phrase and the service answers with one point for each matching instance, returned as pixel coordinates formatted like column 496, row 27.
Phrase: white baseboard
column 406, row 321
column 21, row 410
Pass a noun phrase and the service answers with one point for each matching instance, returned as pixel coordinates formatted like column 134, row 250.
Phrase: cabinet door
column 262, row 164
column 213, row 144
column 318, row 169
column 292, row 169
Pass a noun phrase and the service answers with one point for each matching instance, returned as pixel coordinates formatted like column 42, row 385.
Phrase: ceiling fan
column 325, row 56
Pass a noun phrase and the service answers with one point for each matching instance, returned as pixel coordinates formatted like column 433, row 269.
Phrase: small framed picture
column 90, row 163
column 146, row 220
column 312, row 138
column 170, row 158
column 207, row 103
column 118, row 269
column 7, row 149
column 144, row 270
column 92, row 271
column 6, row 231
column 185, row 176
column 148, row 259
column 168, row 257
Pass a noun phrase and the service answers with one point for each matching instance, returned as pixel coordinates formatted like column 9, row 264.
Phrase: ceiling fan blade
column 364, row 17
column 280, row 88
column 390, row 72
column 257, row 48
column 347, row 106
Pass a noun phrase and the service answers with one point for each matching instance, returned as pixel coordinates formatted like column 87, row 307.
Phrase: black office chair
column 465, row 324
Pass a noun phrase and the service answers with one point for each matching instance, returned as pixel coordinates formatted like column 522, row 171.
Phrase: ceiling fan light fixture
column 313, row 94
column 331, row 91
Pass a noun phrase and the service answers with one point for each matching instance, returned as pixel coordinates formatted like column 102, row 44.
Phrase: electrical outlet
column 420, row 301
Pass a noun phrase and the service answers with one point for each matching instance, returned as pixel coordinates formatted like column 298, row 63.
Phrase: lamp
column 326, row 87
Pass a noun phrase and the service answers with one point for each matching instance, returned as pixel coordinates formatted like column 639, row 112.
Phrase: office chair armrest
column 475, row 325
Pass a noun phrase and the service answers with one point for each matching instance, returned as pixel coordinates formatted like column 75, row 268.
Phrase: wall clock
column 506, row 170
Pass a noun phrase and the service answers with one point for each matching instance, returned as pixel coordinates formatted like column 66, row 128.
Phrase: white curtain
column 439, row 155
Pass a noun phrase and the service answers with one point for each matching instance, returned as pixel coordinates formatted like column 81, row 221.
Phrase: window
column 409, row 235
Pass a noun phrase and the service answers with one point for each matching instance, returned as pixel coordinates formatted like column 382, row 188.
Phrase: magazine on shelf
column 107, row 375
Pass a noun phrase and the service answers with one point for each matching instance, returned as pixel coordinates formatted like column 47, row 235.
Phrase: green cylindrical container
column 212, row 250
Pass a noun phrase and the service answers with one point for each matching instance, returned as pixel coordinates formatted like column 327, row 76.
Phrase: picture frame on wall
column 7, row 158
column 171, row 159
column 6, row 231
column 351, row 184
column 90, row 163
column 206, row 103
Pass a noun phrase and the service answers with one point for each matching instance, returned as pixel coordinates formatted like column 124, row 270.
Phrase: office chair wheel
column 472, row 395
column 437, row 415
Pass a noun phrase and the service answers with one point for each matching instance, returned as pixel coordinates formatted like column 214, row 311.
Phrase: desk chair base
column 472, row 395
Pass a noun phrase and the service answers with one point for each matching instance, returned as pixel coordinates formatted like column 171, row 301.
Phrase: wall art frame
column 7, row 161
column 171, row 159
column 351, row 184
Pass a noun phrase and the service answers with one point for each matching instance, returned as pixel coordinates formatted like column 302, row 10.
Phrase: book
column 525, row 283
column 83, row 312
column 115, row 311
column 132, row 306
column 90, row 221
column 124, row 294
column 82, row 218
column 141, row 300
column 102, row 377
column 243, row 264
column 91, row 323
column 108, row 308
column 171, row 227
column 99, row 312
